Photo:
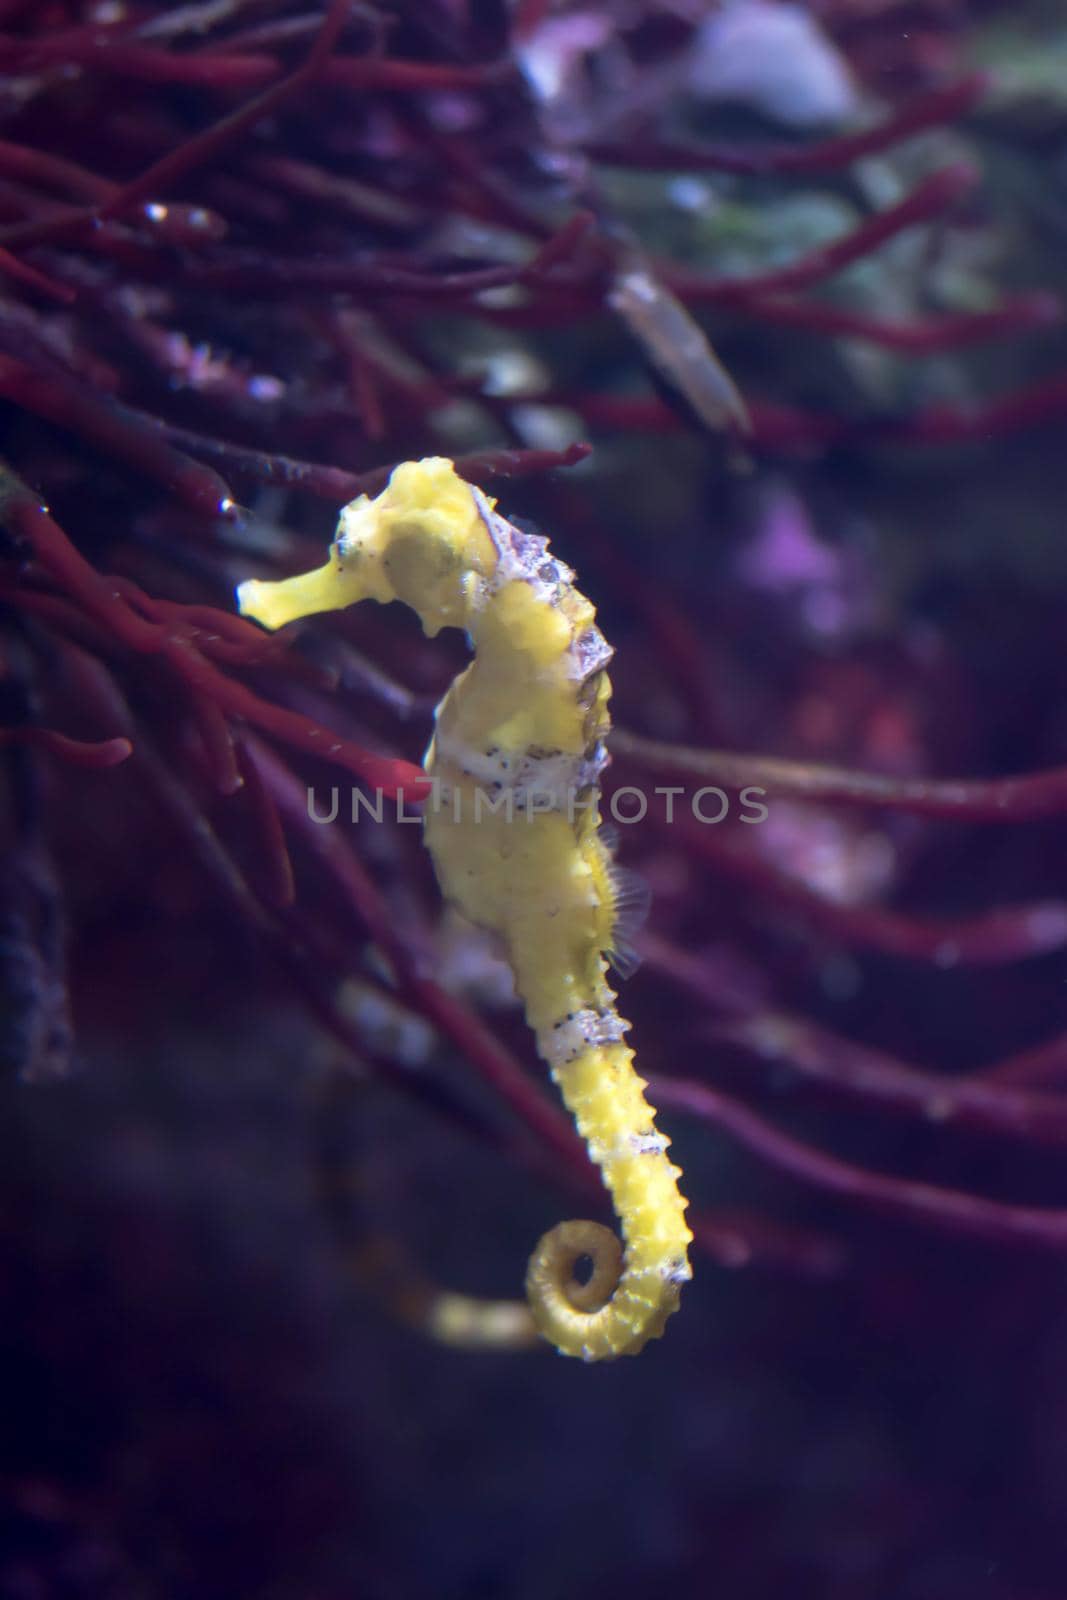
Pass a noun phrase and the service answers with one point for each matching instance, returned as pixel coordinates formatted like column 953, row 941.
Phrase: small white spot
column 644, row 1144
column 571, row 1037
column 691, row 194
column 611, row 1028
column 261, row 386
column 677, row 1272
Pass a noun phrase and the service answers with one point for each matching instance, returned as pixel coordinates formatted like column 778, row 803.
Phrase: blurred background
column 262, row 1094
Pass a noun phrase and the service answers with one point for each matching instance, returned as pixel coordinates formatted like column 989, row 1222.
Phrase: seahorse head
column 423, row 540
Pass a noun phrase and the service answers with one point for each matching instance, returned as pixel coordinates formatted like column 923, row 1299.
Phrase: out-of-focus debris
column 677, row 346
column 775, row 59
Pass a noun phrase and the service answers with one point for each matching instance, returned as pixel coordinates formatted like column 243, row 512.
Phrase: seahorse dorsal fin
column 631, row 899
column 608, row 834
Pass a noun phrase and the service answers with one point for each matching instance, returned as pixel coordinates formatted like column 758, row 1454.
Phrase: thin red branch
column 1017, row 799
column 1005, row 935
column 265, row 276
column 205, row 146
column 280, row 937
column 876, row 1079
column 559, row 306
column 375, row 72
column 78, row 752
column 260, row 466
column 193, row 153
column 389, row 775
column 338, row 486
column 216, row 739
column 111, row 427
column 344, row 194
column 222, row 635
column 1044, row 1063
column 936, row 195
column 178, row 223
column 144, row 64
column 779, row 427
column 48, row 171
column 23, row 273
column 922, row 337
column 975, row 1099
column 263, row 35
column 950, row 1210
column 935, row 109
column 28, row 520
column 1030, row 407
column 279, row 884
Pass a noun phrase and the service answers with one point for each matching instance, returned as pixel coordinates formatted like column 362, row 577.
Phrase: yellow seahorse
column 513, row 830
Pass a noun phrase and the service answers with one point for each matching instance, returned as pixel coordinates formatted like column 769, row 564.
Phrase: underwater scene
column 533, row 871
